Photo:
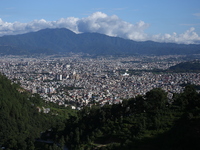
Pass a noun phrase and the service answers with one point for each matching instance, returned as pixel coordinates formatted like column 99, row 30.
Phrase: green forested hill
column 20, row 121
column 192, row 66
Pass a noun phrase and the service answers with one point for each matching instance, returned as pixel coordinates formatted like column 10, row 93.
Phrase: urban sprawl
column 75, row 80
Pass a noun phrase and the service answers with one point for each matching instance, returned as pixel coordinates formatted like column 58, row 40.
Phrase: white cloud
column 188, row 37
column 19, row 28
column 112, row 26
column 101, row 23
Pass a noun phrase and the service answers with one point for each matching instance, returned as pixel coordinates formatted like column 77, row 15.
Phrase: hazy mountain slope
column 63, row 40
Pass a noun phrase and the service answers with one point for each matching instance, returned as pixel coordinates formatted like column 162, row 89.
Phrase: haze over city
column 161, row 21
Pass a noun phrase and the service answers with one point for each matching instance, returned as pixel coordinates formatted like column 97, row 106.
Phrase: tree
column 189, row 99
column 156, row 99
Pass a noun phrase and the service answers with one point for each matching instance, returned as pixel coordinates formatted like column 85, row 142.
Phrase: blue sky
column 158, row 20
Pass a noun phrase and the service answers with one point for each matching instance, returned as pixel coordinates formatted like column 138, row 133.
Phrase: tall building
column 59, row 77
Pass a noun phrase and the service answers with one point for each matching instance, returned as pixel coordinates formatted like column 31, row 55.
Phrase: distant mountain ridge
column 62, row 40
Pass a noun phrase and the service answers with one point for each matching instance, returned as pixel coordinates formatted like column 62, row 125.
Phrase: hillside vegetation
column 191, row 66
column 20, row 121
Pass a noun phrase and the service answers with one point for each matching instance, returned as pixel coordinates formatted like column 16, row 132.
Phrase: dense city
column 75, row 80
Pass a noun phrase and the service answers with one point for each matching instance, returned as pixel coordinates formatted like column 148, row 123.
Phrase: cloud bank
column 101, row 23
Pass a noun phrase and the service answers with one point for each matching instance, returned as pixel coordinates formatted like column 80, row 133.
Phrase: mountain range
column 62, row 40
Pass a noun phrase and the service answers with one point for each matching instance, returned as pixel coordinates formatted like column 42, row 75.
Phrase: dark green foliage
column 156, row 100
column 16, row 115
column 20, row 121
column 192, row 66
column 189, row 99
